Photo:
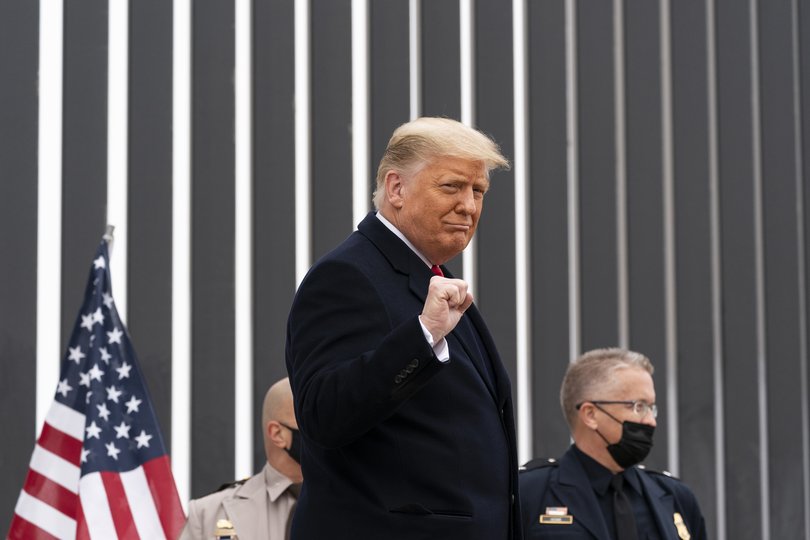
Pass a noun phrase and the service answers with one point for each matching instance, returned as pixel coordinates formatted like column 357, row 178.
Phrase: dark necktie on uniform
column 295, row 491
column 622, row 511
column 437, row 270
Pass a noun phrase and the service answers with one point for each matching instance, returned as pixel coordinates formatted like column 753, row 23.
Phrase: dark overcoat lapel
column 403, row 260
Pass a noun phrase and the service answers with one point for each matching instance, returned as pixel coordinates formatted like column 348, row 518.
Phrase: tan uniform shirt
column 258, row 509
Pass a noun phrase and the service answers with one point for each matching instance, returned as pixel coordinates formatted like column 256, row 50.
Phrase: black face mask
column 635, row 444
column 295, row 446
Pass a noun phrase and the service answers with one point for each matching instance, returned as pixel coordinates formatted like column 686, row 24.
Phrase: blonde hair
column 593, row 371
column 415, row 143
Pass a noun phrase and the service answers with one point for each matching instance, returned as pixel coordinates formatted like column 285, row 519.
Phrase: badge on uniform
column 556, row 515
column 683, row 532
column 224, row 530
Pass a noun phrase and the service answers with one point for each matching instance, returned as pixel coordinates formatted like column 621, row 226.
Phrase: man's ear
column 587, row 415
column 394, row 184
column 274, row 433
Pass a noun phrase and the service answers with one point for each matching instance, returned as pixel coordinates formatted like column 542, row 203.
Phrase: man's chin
column 453, row 246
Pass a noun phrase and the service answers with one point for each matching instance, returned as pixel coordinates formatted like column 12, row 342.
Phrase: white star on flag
column 99, row 263
column 123, row 371
column 113, row 393
column 84, row 379
column 63, row 387
column 132, row 404
column 121, row 431
column 103, row 411
column 143, row 439
column 98, row 316
column 93, row 431
column 76, row 354
column 108, row 299
column 105, row 355
column 95, row 373
column 114, row 336
column 87, row 321
column 85, row 453
column 112, row 451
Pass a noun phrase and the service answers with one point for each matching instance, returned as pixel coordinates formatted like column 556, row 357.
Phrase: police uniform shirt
column 600, row 477
column 258, row 508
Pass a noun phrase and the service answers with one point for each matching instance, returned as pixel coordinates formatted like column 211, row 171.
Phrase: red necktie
column 436, row 270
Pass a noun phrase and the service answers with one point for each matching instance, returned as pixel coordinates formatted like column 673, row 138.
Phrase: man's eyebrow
column 463, row 174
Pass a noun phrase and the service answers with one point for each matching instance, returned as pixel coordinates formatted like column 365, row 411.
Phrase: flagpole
column 108, row 237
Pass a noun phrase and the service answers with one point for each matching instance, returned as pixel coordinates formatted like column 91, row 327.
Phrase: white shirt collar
column 401, row 236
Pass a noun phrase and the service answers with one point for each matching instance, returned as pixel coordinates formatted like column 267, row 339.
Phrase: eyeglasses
column 641, row 408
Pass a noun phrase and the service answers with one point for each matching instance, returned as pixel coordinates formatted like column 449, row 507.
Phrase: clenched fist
column 446, row 302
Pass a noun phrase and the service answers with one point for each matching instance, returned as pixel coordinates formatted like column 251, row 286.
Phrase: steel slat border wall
column 212, row 237
column 781, row 265
column 149, row 283
column 331, row 106
column 84, row 159
column 549, row 220
column 273, row 196
column 645, row 198
column 19, row 38
column 693, row 250
column 598, row 222
column 801, row 25
column 738, row 276
column 495, row 292
column 389, row 77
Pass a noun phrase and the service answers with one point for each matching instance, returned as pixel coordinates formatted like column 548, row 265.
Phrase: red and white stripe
column 56, row 502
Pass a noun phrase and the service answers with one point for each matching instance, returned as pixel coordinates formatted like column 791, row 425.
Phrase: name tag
column 556, row 515
column 224, row 530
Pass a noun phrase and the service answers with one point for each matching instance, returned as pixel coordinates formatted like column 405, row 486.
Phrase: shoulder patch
column 231, row 484
column 538, row 463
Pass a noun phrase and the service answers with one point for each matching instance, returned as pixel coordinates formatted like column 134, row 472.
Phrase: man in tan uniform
column 261, row 506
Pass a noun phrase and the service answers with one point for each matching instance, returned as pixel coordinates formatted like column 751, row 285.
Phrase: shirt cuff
column 440, row 349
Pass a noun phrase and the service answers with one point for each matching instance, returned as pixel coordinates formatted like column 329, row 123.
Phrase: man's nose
column 466, row 203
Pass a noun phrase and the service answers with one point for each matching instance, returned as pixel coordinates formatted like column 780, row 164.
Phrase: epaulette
column 232, row 484
column 538, row 463
column 660, row 473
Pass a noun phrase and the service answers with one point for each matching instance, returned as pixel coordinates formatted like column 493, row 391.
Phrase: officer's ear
column 587, row 415
column 275, row 432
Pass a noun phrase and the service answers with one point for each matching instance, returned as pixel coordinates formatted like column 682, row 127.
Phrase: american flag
column 99, row 468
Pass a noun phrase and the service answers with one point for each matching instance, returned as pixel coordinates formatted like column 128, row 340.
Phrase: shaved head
column 278, row 423
column 278, row 404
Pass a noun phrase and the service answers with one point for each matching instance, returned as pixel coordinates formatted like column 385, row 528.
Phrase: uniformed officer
column 595, row 490
column 260, row 507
